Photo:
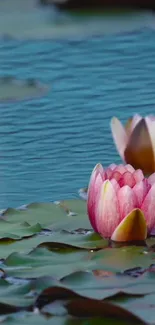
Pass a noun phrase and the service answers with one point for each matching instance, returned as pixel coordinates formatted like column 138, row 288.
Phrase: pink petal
column 120, row 168
column 93, row 191
column 151, row 129
column 110, row 170
column 151, row 179
column 109, row 173
column 116, row 175
column 141, row 189
column 112, row 166
column 107, row 210
column 138, row 175
column 119, row 135
column 98, row 169
column 115, row 185
column 129, row 168
column 135, row 120
column 127, row 179
column 148, row 207
column 151, row 117
column 127, row 200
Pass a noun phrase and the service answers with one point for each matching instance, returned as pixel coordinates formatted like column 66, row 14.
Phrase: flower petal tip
column 132, row 228
column 98, row 167
column 119, row 135
column 113, row 119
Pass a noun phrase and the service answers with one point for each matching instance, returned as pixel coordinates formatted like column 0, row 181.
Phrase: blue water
column 48, row 146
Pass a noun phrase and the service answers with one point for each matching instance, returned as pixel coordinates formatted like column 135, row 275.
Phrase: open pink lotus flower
column 136, row 141
column 121, row 202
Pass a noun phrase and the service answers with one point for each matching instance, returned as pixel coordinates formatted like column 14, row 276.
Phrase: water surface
column 48, row 146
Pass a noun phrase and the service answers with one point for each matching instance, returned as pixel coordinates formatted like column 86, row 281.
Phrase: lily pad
column 12, row 89
column 142, row 307
column 25, row 293
column 40, row 319
column 67, row 215
column 26, row 19
column 42, row 262
column 117, row 259
column 17, row 231
column 77, row 305
column 66, row 271
column 62, row 262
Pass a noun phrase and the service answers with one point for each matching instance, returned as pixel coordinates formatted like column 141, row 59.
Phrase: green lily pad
column 42, row 262
column 23, row 294
column 66, row 215
column 32, row 318
column 12, row 89
column 17, row 231
column 54, row 242
column 65, row 262
column 117, row 259
column 92, row 286
column 77, row 267
column 78, row 305
column 25, row 19
column 142, row 307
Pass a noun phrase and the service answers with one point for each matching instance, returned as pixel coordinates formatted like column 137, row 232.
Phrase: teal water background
column 49, row 145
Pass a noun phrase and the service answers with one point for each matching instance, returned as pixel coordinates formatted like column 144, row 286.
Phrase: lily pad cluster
column 55, row 269
column 29, row 20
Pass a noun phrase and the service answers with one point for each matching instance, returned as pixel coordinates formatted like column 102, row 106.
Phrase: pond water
column 49, row 145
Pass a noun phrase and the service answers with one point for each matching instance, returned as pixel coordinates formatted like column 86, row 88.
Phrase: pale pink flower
column 121, row 202
column 135, row 141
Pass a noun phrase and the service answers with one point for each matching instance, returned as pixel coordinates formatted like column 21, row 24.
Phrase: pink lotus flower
column 136, row 141
column 121, row 202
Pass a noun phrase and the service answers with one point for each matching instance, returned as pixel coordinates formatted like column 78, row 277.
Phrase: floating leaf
column 42, row 262
column 37, row 318
column 142, row 307
column 23, row 294
column 82, row 306
column 100, row 288
column 12, row 89
column 39, row 23
column 18, row 230
column 120, row 259
column 53, row 242
column 74, row 267
column 66, row 215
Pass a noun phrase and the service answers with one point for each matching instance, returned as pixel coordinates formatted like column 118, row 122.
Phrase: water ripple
column 48, row 146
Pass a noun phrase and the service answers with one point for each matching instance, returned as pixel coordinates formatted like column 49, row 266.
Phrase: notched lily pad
column 80, row 306
column 16, row 231
column 42, row 262
column 68, row 215
column 12, row 89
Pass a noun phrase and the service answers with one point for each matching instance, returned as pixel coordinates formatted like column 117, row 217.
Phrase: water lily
column 135, row 141
column 121, row 202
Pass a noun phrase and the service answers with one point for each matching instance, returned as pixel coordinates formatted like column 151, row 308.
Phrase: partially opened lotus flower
column 121, row 203
column 136, row 141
